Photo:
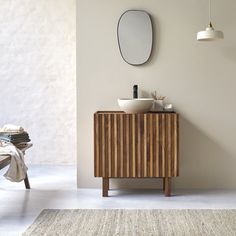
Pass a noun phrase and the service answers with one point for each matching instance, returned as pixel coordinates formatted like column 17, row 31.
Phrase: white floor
column 55, row 187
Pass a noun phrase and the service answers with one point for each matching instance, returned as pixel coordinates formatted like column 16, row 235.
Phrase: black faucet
column 135, row 91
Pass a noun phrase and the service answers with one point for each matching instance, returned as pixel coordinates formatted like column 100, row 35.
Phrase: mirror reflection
column 135, row 36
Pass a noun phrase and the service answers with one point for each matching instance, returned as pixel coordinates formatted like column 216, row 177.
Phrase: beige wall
column 198, row 78
column 37, row 75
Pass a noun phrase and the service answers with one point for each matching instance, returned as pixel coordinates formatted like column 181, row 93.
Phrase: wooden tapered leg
column 105, row 187
column 167, row 184
column 27, row 184
column 163, row 179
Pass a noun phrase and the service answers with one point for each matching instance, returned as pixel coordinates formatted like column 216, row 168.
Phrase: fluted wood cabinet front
column 135, row 145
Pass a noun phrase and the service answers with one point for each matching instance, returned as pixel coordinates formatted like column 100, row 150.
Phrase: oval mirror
column 135, row 36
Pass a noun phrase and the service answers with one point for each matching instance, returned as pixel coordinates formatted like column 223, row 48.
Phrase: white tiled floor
column 55, row 187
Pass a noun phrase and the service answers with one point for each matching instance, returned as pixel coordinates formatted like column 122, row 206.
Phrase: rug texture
column 134, row 223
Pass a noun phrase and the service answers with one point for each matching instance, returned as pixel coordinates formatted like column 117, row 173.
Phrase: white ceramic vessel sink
column 139, row 105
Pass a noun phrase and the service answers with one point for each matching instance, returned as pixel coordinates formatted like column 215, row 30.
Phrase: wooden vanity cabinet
column 136, row 146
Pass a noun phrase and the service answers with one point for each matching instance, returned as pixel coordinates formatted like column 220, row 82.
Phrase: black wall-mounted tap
column 135, row 91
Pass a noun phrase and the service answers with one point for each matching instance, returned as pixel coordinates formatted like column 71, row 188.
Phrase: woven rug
column 134, row 223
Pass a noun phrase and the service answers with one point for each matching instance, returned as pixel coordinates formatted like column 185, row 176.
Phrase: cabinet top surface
column 122, row 112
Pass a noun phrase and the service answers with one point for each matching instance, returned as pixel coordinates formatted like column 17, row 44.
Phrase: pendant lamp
column 210, row 34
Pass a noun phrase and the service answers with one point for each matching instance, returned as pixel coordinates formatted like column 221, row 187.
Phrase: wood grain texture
column 105, row 187
column 4, row 161
column 167, row 186
column 136, row 145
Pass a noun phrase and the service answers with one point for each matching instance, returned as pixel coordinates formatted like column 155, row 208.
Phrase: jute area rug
column 134, row 223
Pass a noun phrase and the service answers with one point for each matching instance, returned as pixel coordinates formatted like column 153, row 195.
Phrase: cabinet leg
column 27, row 184
column 163, row 181
column 167, row 184
column 105, row 187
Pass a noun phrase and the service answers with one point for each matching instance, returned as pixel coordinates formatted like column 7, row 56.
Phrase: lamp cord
column 210, row 11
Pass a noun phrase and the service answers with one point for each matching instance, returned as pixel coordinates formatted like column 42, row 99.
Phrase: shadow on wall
column 196, row 171
column 205, row 170
column 156, row 41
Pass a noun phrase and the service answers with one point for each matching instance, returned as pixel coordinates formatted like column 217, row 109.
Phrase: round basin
column 139, row 105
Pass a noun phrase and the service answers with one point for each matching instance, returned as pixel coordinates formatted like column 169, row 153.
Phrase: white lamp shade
column 209, row 34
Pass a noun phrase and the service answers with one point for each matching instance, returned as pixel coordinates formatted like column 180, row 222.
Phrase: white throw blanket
column 17, row 169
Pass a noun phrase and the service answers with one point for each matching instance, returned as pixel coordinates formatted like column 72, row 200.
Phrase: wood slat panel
column 127, row 144
column 115, row 147
column 151, row 133
column 145, row 147
column 163, row 144
column 133, row 146
column 136, row 145
column 121, row 157
column 109, row 143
